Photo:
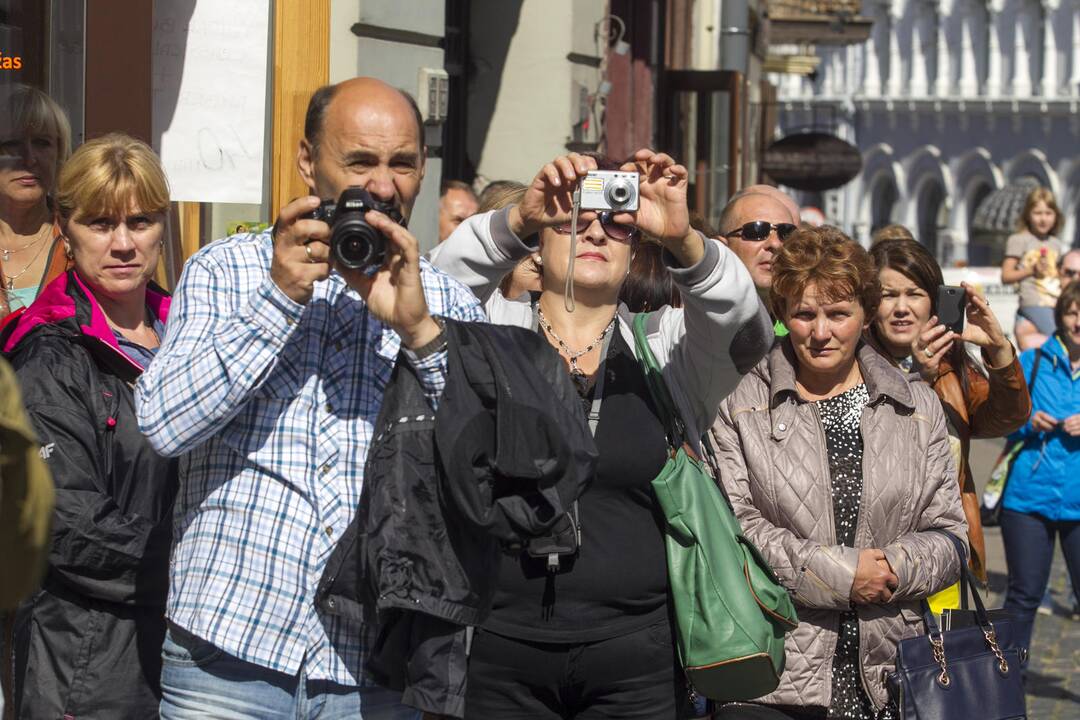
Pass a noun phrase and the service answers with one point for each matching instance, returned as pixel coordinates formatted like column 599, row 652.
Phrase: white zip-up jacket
column 703, row 348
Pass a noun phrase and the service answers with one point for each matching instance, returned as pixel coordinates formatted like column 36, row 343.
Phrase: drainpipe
column 734, row 35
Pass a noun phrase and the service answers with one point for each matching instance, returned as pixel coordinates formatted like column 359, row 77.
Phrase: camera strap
column 593, row 416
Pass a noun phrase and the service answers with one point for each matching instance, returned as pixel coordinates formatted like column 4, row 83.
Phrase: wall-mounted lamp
column 613, row 34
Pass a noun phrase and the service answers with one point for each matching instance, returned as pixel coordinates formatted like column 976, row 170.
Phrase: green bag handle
column 673, row 423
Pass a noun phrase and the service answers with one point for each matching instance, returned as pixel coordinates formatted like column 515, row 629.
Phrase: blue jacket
column 1045, row 477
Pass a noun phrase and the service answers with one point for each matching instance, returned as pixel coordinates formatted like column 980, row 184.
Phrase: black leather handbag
column 968, row 665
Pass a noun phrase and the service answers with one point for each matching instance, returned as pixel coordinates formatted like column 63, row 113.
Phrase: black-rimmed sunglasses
column 759, row 230
column 614, row 230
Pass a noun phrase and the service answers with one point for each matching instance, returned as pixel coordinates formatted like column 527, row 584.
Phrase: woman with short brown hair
column 837, row 464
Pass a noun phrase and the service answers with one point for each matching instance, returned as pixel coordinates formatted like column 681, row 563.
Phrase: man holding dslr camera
column 269, row 383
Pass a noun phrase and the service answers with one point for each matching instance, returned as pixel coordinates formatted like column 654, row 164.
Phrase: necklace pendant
column 11, row 283
column 7, row 255
column 581, row 383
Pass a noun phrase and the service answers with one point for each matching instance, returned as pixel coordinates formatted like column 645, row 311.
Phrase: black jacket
column 98, row 621
column 501, row 461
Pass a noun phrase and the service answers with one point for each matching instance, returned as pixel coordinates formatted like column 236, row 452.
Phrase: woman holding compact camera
column 587, row 634
column 984, row 401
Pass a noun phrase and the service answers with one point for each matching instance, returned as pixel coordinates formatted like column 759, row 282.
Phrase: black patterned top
column 840, row 417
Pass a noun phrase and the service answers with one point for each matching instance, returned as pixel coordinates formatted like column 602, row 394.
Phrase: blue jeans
column 198, row 680
column 1029, row 553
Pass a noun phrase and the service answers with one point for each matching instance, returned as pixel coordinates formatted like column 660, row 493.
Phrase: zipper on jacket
column 860, row 525
column 112, row 408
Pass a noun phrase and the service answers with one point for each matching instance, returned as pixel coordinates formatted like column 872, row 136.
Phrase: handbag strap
column 654, row 379
column 967, row 584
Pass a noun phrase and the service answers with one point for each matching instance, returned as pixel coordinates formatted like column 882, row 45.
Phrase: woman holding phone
column 981, row 400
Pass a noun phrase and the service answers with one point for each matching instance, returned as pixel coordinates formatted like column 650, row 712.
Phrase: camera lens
column 355, row 244
column 618, row 193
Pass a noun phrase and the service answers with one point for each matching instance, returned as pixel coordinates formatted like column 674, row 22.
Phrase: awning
column 1000, row 210
column 817, row 22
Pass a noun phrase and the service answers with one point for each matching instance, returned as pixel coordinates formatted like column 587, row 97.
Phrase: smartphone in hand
column 951, row 303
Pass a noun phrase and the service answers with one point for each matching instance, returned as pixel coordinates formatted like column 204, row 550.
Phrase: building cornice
column 985, row 106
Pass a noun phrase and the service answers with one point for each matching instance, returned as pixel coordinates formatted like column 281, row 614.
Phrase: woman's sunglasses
column 614, row 230
column 759, row 230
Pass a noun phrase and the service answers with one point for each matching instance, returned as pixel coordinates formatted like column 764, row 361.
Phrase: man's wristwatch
column 433, row 346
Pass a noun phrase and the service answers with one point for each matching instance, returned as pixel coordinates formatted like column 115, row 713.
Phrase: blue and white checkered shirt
column 272, row 405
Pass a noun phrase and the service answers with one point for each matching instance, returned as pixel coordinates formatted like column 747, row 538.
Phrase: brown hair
column 699, row 223
column 1038, row 195
column 649, row 286
column 825, row 257
column 912, row 260
column 1069, row 296
column 106, row 174
column 891, row 232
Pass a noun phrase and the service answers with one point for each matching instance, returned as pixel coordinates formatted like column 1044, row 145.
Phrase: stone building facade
column 954, row 105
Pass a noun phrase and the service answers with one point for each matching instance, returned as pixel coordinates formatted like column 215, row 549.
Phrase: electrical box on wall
column 433, row 94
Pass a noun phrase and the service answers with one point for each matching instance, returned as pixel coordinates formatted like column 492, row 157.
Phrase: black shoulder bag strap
column 593, row 418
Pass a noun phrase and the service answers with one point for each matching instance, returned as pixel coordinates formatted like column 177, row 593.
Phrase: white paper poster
column 209, row 97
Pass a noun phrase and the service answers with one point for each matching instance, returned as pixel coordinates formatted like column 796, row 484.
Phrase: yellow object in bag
column 947, row 599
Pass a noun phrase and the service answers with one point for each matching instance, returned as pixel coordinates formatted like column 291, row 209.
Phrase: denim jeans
column 1029, row 553
column 198, row 680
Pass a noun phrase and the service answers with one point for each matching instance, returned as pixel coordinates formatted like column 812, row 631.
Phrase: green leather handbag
column 731, row 613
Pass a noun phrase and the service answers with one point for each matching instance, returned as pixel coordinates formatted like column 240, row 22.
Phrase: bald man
column 753, row 224
column 269, row 385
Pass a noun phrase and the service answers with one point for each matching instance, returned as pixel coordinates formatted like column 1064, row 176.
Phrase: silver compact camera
column 609, row 190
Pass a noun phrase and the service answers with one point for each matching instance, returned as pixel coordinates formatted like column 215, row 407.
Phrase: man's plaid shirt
column 271, row 405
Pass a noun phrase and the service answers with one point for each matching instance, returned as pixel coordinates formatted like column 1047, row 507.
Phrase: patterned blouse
column 840, row 417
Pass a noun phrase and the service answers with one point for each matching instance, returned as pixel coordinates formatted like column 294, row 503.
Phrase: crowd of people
column 208, row 448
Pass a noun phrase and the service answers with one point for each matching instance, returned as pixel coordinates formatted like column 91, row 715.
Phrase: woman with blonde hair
column 35, row 140
column 1031, row 259
column 88, row 644
column 837, row 465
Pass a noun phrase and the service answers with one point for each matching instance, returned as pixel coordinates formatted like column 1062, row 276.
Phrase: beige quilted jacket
column 771, row 448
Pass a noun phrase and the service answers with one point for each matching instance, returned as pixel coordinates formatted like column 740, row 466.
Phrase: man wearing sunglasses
column 754, row 224
column 1027, row 334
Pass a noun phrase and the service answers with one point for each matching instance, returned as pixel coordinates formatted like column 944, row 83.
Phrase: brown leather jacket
column 771, row 447
column 992, row 407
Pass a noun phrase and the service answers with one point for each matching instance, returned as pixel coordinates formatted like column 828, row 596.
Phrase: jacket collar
column 883, row 380
column 68, row 303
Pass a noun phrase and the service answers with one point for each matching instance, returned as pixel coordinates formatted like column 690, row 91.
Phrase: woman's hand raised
column 662, row 210
column 984, row 330
column 549, row 198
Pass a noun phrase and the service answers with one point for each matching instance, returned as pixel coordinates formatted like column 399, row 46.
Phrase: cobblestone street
column 1054, row 668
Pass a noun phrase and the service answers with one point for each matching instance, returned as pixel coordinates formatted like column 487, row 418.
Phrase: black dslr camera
column 353, row 243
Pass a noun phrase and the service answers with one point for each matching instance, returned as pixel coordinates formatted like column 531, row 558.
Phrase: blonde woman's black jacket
column 88, row 643
column 502, row 460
